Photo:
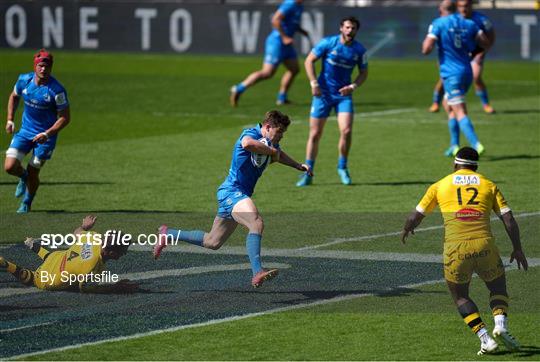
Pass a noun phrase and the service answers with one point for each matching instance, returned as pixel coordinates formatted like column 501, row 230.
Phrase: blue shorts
column 22, row 141
column 456, row 87
column 321, row 106
column 275, row 52
column 227, row 198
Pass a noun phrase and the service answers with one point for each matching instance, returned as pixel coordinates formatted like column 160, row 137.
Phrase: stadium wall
column 390, row 32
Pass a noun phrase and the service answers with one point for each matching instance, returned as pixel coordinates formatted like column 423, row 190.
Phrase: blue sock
column 466, row 126
column 342, row 162
column 282, row 96
column 240, row 88
column 436, row 97
column 28, row 198
column 483, row 96
column 311, row 163
column 195, row 237
column 253, row 247
column 453, row 127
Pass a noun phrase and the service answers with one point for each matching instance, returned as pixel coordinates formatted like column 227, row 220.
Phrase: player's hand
column 520, row 259
column 275, row 155
column 10, row 127
column 405, row 234
column 347, row 90
column 316, row 91
column 88, row 222
column 126, row 286
column 306, row 169
column 41, row 138
column 286, row 40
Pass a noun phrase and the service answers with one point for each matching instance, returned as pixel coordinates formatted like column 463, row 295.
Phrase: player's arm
column 360, row 79
column 483, row 41
column 87, row 225
column 124, row 286
column 62, row 121
column 253, row 145
column 276, row 24
column 13, row 103
column 412, row 222
column 287, row 160
column 512, row 229
column 429, row 44
column 309, row 64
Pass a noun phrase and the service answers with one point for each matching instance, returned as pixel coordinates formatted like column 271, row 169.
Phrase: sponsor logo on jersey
column 60, row 99
column 468, row 214
column 86, row 251
column 462, row 180
column 47, row 97
column 474, row 255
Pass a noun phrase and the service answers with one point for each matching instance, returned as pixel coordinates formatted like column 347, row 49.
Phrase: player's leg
column 245, row 213
column 292, row 69
column 456, row 89
column 453, row 129
column 32, row 184
column 457, row 273
column 480, row 87
column 18, row 148
column 438, row 93
column 320, row 110
column 272, row 59
column 25, row 276
column 345, row 123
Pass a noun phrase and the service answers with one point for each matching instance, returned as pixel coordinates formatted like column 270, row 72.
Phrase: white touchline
column 395, row 233
column 27, row 326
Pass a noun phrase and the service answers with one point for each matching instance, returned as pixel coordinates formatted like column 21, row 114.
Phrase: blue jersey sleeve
column 483, row 22
column 251, row 133
column 321, row 48
column 22, row 81
column 363, row 60
column 434, row 30
column 61, row 99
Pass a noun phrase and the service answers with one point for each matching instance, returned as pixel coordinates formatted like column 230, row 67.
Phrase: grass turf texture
column 150, row 141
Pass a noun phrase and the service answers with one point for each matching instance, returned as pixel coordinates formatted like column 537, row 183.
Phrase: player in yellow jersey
column 81, row 267
column 466, row 199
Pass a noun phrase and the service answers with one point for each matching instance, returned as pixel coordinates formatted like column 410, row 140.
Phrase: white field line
column 153, row 274
column 395, row 233
column 218, row 321
column 388, row 37
column 25, row 327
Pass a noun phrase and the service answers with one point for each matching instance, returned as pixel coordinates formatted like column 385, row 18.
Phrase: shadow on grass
column 524, row 351
column 519, row 111
column 119, row 211
column 384, row 183
column 510, row 157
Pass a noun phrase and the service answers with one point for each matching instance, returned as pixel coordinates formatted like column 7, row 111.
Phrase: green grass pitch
column 150, row 141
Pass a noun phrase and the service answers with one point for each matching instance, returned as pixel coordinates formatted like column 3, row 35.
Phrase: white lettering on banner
column 86, row 27
column 525, row 22
column 53, row 27
column 180, row 45
column 15, row 11
column 244, row 30
column 145, row 15
column 314, row 25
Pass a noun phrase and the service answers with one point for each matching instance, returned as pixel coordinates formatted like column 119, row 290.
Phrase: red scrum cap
column 43, row 56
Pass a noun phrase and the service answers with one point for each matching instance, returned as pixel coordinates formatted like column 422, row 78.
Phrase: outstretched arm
column 253, row 145
column 285, row 159
column 512, row 229
column 414, row 219
column 13, row 103
column 87, row 224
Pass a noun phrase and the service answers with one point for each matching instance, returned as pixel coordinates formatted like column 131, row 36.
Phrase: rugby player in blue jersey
column 46, row 112
column 333, row 89
column 456, row 37
column 278, row 48
column 235, row 205
column 465, row 9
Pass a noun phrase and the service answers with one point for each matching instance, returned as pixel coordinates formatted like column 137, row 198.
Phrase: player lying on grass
column 77, row 268
column 253, row 151
column 466, row 199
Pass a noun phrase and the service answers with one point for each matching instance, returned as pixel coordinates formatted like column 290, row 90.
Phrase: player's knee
column 346, row 132
column 266, row 74
column 257, row 226
column 315, row 134
column 212, row 242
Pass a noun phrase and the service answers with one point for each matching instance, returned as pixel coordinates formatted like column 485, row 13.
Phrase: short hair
column 277, row 119
column 113, row 241
column 449, row 6
column 468, row 154
column 352, row 19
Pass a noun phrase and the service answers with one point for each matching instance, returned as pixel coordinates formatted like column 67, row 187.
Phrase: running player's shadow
column 11, row 308
column 402, row 292
column 524, row 351
column 519, row 111
column 61, row 183
column 510, row 157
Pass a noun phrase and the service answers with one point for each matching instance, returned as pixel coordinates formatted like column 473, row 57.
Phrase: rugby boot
column 263, row 276
column 162, row 241
column 344, row 176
